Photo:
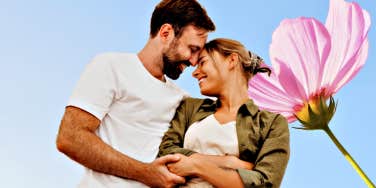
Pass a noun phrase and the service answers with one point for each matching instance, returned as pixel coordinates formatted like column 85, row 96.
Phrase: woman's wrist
column 198, row 162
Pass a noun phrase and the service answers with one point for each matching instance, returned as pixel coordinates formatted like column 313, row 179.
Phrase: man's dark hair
column 180, row 13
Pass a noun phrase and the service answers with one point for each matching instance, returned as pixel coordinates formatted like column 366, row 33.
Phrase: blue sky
column 44, row 46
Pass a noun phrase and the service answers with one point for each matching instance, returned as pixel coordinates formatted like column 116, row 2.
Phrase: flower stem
column 349, row 158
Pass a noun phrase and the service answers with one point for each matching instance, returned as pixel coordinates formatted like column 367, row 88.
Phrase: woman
column 227, row 142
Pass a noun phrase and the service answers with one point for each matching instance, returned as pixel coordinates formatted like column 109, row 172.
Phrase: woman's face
column 210, row 73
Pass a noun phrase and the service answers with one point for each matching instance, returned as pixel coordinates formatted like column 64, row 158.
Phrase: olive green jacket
column 263, row 139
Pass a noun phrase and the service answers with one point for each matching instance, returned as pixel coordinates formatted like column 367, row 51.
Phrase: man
column 122, row 104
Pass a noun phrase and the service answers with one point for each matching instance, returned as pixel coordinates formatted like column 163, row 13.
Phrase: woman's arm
column 219, row 177
column 268, row 171
column 272, row 159
column 225, row 162
column 172, row 141
column 200, row 166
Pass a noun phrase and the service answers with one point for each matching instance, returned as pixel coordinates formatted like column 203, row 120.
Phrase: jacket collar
column 248, row 107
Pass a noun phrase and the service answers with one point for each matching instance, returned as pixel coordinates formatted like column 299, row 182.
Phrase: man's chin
column 173, row 76
column 174, row 70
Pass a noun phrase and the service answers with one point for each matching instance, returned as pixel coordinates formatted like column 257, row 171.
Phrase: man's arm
column 77, row 139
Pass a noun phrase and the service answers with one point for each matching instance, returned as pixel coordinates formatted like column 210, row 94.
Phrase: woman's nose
column 196, row 72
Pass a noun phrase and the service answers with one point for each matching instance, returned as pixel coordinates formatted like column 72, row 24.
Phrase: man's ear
column 166, row 32
column 233, row 60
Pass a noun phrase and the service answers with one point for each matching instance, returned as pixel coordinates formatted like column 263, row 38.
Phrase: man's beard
column 171, row 67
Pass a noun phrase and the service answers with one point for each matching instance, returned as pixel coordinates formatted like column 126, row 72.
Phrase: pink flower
column 310, row 63
column 311, row 60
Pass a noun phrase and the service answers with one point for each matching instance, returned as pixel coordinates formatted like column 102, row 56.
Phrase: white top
column 210, row 137
column 134, row 107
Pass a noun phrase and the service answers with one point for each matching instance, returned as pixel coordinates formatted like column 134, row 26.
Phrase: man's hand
column 157, row 174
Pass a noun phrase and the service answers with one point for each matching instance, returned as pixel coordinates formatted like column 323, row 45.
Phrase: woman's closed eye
column 201, row 63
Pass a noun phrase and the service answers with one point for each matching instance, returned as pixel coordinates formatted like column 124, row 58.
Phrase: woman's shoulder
column 197, row 101
column 273, row 119
column 264, row 116
column 267, row 113
column 193, row 105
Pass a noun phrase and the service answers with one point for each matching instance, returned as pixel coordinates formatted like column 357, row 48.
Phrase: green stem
column 349, row 158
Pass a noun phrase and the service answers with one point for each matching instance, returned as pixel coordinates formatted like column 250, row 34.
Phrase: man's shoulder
column 115, row 60
column 114, row 56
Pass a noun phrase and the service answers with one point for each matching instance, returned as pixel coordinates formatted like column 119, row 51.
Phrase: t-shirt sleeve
column 96, row 88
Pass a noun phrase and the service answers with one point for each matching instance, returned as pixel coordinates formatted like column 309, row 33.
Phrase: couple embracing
column 131, row 126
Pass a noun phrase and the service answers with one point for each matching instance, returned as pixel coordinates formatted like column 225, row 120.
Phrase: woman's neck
column 233, row 99
column 229, row 105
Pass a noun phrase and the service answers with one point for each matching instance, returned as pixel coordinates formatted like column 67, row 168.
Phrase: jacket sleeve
column 272, row 159
column 172, row 141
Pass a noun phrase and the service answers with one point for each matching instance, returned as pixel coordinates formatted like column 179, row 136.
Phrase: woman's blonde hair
column 250, row 61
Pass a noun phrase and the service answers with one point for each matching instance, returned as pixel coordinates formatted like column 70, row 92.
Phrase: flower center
column 316, row 114
column 303, row 113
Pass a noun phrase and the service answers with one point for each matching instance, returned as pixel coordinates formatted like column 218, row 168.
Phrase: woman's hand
column 184, row 167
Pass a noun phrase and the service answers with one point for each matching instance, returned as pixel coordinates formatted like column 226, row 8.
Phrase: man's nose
column 193, row 60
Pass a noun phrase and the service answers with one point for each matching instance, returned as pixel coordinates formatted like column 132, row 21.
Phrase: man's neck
column 151, row 58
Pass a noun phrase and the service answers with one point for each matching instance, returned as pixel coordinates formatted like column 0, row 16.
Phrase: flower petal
column 269, row 95
column 348, row 26
column 351, row 68
column 298, row 52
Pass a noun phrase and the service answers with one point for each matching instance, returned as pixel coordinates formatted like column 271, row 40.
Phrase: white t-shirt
column 210, row 137
column 134, row 107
